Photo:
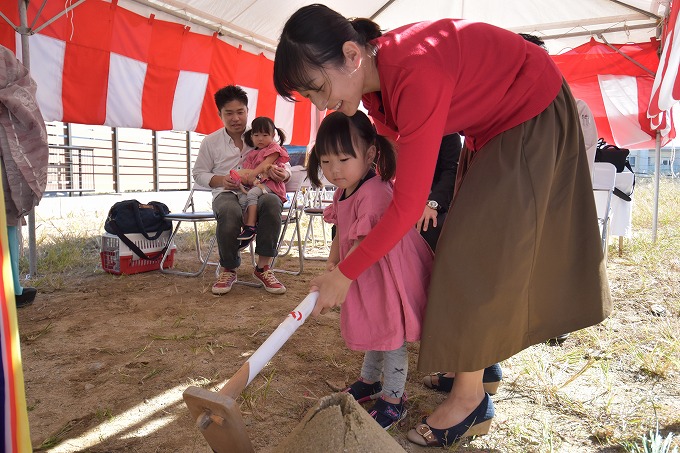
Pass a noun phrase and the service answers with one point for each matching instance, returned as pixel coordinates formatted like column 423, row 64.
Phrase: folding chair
column 189, row 214
column 292, row 210
column 291, row 215
column 316, row 201
column 604, row 177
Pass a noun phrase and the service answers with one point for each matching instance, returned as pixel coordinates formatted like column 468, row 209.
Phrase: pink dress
column 255, row 158
column 386, row 304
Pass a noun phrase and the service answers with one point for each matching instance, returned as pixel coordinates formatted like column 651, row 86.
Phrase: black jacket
column 445, row 171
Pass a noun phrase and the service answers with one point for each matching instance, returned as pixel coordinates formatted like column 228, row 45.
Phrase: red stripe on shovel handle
column 297, row 315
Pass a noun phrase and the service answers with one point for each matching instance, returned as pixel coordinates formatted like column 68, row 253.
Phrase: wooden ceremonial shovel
column 217, row 414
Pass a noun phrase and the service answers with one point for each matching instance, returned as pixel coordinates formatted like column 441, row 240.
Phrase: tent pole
column 637, row 10
column 606, row 43
column 657, row 177
column 593, row 32
column 26, row 60
column 23, row 31
column 381, row 9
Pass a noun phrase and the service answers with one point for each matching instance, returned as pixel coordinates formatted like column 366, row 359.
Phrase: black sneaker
column 246, row 243
column 26, row 297
column 363, row 392
column 247, row 233
column 387, row 414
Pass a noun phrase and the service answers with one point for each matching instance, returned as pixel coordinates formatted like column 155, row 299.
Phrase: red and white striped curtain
column 666, row 88
column 103, row 64
column 617, row 90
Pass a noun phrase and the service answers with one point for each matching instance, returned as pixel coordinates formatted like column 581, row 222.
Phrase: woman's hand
column 333, row 287
column 424, row 222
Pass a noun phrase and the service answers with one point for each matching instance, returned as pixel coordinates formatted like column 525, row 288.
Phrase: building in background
column 642, row 161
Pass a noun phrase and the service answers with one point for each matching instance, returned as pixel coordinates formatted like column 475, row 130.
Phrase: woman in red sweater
column 518, row 260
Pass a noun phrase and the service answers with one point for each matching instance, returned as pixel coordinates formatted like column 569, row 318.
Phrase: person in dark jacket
column 441, row 194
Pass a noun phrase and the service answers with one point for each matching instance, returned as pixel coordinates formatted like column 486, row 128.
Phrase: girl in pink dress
column 384, row 307
column 254, row 173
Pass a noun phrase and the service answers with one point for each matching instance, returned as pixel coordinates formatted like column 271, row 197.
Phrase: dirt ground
column 107, row 357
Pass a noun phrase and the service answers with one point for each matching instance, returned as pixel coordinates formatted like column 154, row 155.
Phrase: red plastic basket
column 118, row 259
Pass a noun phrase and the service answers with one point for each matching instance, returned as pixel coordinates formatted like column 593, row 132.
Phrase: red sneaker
column 224, row 282
column 269, row 280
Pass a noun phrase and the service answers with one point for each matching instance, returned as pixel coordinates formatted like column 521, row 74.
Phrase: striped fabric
column 616, row 90
column 666, row 89
column 103, row 64
column 14, row 417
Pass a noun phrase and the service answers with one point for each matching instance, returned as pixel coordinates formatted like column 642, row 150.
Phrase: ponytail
column 282, row 135
column 386, row 157
column 248, row 138
column 366, row 28
column 313, row 166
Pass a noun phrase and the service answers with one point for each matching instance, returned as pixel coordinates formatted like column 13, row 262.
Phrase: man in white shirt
column 220, row 152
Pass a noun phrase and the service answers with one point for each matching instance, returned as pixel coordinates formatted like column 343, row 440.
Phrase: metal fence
column 70, row 170
column 101, row 159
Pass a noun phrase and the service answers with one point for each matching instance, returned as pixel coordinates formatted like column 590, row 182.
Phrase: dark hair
column 311, row 39
column 335, row 136
column 263, row 124
column 534, row 39
column 230, row 93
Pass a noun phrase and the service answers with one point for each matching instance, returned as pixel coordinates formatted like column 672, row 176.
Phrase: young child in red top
column 254, row 181
column 384, row 307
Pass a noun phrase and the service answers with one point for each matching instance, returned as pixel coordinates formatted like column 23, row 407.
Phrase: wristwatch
column 433, row 205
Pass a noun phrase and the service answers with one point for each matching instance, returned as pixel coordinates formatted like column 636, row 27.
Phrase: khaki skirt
column 519, row 259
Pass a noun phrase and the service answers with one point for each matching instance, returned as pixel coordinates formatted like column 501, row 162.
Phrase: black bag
column 131, row 216
column 612, row 154
column 619, row 158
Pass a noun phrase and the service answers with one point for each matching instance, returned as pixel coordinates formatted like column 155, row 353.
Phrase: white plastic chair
column 604, row 178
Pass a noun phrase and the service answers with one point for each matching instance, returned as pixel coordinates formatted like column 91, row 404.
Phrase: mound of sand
column 338, row 424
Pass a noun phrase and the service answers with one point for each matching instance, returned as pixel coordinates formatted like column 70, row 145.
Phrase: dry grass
column 604, row 390
column 618, row 379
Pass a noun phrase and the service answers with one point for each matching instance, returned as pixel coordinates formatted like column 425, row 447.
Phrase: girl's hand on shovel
column 332, row 287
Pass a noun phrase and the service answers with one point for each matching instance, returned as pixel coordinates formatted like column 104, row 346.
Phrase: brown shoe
column 269, row 280
column 224, row 282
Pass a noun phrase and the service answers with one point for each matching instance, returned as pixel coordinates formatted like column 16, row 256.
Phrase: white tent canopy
column 254, row 26
column 563, row 24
